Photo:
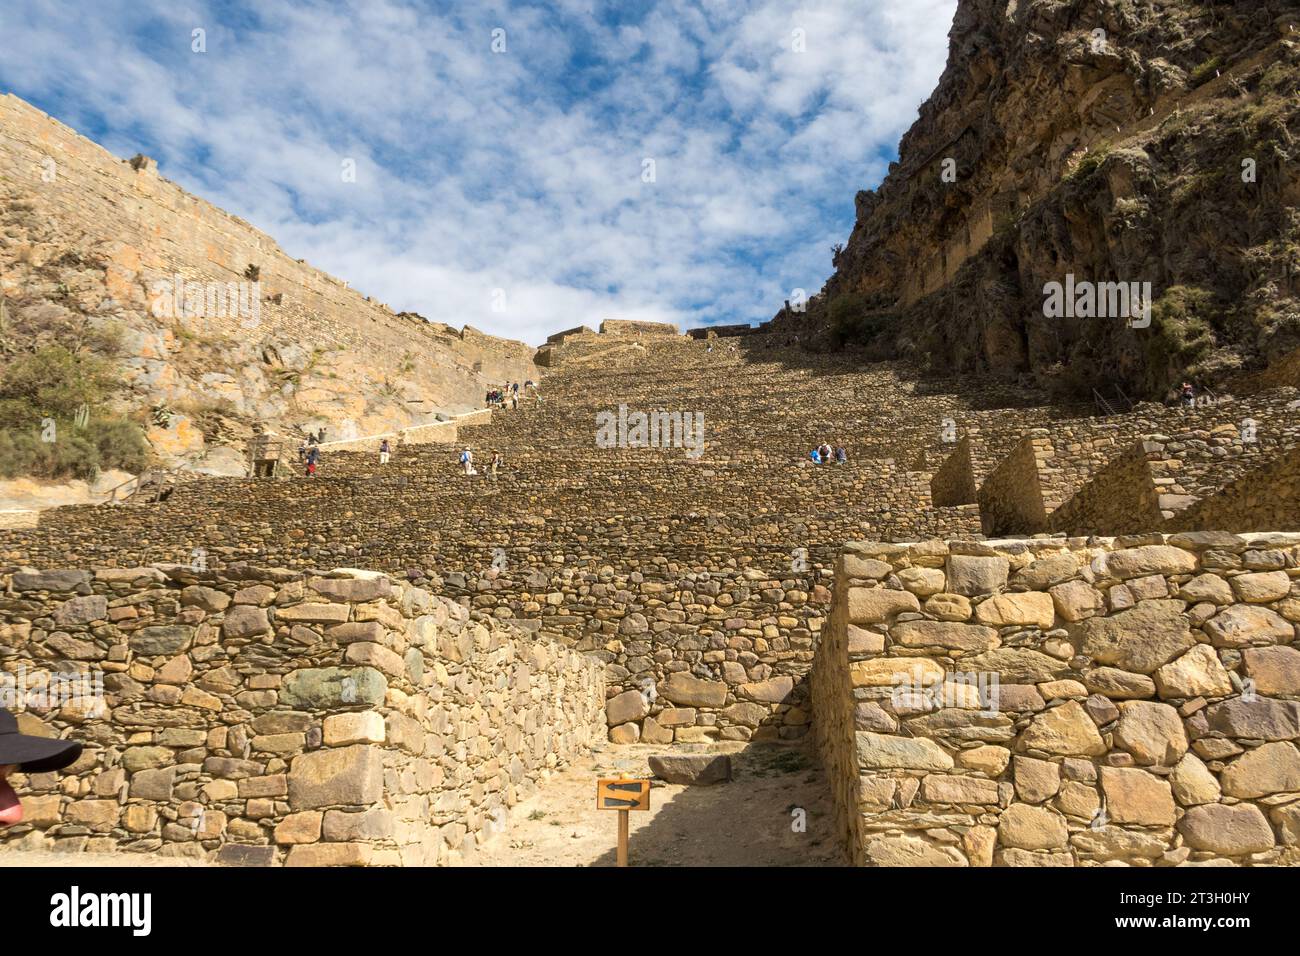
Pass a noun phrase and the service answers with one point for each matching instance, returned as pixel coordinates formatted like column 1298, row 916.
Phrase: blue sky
column 509, row 189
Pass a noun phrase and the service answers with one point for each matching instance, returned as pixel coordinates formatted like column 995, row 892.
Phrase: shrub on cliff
column 47, row 429
column 851, row 320
column 1181, row 335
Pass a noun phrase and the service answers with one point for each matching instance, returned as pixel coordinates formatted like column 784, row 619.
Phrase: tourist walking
column 496, row 463
column 467, row 461
column 313, row 459
column 383, row 452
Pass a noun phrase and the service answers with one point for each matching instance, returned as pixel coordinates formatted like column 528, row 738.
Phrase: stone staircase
column 705, row 574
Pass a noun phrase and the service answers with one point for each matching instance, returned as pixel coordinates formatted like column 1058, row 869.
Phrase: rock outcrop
column 1108, row 140
column 218, row 327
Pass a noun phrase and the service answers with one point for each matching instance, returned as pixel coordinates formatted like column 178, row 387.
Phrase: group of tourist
column 309, row 453
column 509, row 393
column 823, row 454
column 467, row 463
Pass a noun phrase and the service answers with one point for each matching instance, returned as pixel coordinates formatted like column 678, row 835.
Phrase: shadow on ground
column 776, row 811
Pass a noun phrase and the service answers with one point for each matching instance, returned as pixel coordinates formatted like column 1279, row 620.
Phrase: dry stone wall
column 666, row 567
column 1121, row 497
column 954, row 481
column 1012, row 496
column 1065, row 702
column 1087, row 475
column 1268, row 497
column 265, row 716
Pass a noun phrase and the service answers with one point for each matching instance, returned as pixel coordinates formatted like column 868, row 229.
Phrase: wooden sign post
column 622, row 794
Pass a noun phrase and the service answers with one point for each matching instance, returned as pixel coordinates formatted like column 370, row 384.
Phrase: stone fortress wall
column 261, row 716
column 1087, row 475
column 131, row 228
column 1065, row 702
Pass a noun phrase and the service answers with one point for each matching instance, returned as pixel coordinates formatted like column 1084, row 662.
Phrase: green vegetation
column 49, row 426
column 1181, row 335
column 1205, row 71
column 852, row 321
column 1089, row 164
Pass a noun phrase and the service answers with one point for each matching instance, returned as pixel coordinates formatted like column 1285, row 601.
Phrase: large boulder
column 1275, row 670
column 875, row 605
column 330, row 688
column 1148, row 560
column 1197, row 673
column 337, row 776
column 884, row 752
column 1031, row 828
column 1257, row 718
column 1268, row 769
column 688, row 691
column 947, row 634
column 1153, row 733
column 625, row 707
column 696, row 769
column 1242, row 625
column 1140, row 639
column 1135, row 796
column 1025, row 609
column 1066, row 731
column 907, row 850
column 1227, row 830
column 972, row 575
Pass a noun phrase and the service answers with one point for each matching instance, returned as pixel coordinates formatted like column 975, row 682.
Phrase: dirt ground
column 750, row 821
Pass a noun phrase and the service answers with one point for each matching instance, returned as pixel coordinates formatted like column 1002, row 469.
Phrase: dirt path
column 747, row 822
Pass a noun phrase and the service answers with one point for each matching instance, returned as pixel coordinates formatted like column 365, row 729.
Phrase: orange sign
column 622, row 794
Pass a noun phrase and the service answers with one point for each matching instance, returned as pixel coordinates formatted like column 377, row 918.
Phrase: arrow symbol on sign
column 619, row 802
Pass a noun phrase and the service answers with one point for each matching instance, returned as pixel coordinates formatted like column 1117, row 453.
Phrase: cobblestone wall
column 260, row 717
column 1065, row 703
column 1120, row 497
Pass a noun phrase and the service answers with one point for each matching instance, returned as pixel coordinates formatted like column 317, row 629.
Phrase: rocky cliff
column 216, row 328
column 1113, row 141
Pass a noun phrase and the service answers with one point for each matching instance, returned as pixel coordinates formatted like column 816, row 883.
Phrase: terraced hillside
column 675, row 566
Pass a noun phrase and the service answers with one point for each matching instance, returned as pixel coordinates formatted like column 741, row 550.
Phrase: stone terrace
column 703, row 575
column 702, row 583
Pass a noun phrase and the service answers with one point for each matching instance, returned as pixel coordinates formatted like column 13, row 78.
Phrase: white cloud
column 520, row 170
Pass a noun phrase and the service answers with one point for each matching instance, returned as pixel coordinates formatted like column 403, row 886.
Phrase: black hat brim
column 37, row 754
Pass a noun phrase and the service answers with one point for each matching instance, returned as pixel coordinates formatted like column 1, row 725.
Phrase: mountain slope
column 213, row 327
column 1108, row 140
